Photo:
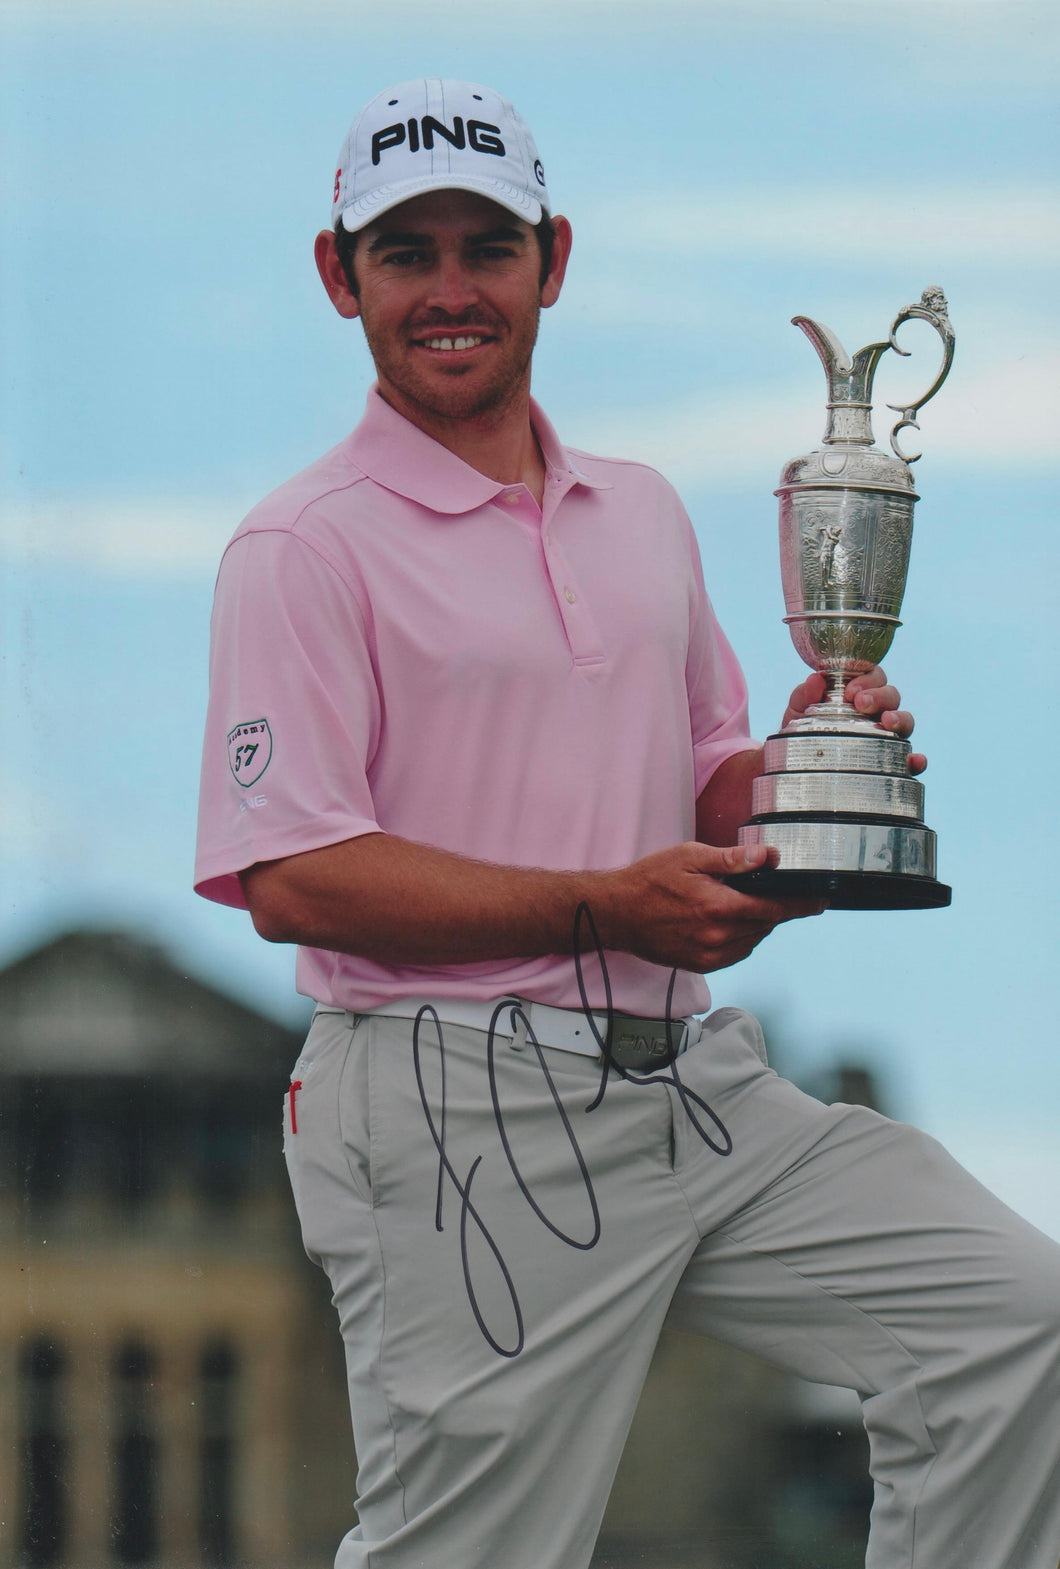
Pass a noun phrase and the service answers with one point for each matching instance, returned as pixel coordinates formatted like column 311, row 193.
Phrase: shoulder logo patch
column 249, row 751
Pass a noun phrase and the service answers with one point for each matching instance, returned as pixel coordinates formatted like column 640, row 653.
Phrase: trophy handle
column 932, row 308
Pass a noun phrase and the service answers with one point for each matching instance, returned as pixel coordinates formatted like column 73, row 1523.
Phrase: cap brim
column 358, row 214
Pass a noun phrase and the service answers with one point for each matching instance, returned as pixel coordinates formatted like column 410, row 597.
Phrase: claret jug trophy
column 837, row 799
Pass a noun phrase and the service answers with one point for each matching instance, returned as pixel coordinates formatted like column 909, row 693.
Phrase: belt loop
column 517, row 1020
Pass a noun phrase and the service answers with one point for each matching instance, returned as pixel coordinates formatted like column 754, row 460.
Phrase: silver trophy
column 837, row 799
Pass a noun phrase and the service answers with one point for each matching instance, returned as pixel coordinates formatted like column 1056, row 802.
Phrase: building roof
column 108, row 1003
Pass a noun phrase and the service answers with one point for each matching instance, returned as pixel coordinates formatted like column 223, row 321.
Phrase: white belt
column 636, row 1042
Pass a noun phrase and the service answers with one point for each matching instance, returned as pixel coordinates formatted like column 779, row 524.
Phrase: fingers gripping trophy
column 836, row 799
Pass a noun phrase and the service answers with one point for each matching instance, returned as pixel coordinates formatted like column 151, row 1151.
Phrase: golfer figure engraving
column 837, row 800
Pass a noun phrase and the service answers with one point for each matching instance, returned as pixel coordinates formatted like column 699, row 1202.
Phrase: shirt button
column 511, row 498
column 569, row 595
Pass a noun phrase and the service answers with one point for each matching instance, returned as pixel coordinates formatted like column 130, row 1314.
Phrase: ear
column 333, row 277
column 560, row 257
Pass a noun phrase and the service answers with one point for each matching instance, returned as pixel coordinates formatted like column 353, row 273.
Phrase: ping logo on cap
column 479, row 136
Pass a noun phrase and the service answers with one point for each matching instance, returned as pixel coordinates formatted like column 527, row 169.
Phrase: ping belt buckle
column 642, row 1044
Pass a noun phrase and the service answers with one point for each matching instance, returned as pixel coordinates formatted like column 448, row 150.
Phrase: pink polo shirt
column 401, row 644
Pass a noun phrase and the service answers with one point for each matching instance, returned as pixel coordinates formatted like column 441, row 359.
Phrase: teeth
column 449, row 344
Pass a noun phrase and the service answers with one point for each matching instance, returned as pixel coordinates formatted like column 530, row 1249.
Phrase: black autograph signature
column 585, row 933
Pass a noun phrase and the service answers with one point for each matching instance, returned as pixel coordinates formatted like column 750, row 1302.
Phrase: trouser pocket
column 326, row 1133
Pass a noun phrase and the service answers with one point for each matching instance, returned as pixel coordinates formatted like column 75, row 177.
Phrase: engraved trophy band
column 836, row 799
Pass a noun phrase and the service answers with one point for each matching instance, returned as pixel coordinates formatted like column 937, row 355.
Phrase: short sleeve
column 294, row 712
column 717, row 690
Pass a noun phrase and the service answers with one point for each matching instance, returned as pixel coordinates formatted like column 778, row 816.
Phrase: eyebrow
column 503, row 233
column 394, row 240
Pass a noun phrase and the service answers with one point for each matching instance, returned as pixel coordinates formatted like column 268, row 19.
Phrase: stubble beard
column 458, row 394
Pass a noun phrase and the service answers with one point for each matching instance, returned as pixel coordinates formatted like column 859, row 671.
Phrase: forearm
column 725, row 801
column 396, row 901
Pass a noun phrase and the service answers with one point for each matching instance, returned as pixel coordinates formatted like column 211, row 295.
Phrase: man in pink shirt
column 477, row 744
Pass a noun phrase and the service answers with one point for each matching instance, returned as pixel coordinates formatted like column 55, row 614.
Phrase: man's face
column 449, row 293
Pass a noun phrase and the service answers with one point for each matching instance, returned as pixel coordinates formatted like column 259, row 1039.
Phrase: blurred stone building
column 172, row 1391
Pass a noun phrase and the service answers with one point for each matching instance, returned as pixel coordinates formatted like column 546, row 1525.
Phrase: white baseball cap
column 437, row 135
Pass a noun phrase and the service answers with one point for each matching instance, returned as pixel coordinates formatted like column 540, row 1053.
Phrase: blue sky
column 168, row 356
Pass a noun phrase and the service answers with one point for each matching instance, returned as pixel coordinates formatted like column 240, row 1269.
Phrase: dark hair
column 545, row 234
column 346, row 246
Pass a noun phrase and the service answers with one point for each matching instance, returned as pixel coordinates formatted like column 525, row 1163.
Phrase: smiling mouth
column 452, row 345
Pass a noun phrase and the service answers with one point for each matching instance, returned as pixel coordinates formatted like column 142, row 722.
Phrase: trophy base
column 847, row 890
column 855, row 864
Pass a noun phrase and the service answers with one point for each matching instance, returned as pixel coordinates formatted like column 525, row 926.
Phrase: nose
column 453, row 287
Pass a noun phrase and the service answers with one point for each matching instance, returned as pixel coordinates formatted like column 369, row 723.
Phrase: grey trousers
column 503, row 1259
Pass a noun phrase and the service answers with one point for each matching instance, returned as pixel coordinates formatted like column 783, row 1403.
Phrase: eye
column 406, row 258
column 493, row 253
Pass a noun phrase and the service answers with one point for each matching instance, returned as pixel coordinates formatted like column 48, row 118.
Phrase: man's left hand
column 872, row 696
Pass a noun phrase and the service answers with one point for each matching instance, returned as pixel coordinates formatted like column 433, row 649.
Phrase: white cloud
column 992, row 17
column 1003, row 415
column 946, row 45
column 153, row 538
column 943, row 47
column 39, row 834
column 915, row 224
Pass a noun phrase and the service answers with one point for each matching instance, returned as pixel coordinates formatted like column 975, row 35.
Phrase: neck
column 499, row 442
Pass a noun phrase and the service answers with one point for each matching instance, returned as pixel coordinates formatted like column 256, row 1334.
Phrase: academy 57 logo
column 249, row 751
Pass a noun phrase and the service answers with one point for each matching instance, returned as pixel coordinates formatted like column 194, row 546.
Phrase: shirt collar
column 399, row 456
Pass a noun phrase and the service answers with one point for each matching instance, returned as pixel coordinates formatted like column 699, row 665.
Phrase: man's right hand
column 675, row 908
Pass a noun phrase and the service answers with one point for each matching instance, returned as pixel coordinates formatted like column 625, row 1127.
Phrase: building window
column 223, row 1153
column 132, row 1143
column 135, row 1520
column 218, row 1371
column 44, row 1130
column 45, row 1455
